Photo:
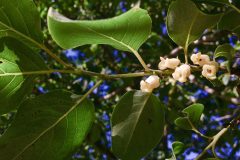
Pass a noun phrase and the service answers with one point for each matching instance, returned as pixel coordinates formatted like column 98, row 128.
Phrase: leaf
column 183, row 123
column 16, row 59
column 186, row 27
column 46, row 127
column 20, row 19
column 226, row 2
column 229, row 21
column 226, row 78
column 227, row 51
column 126, row 32
column 137, row 125
column 94, row 134
column 193, row 114
column 178, row 147
column 222, row 1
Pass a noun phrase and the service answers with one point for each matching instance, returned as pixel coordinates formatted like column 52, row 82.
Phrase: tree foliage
column 70, row 79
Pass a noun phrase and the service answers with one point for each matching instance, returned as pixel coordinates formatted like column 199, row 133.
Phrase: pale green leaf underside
column 137, row 125
column 227, row 51
column 16, row 58
column 126, row 32
column 43, row 128
column 186, row 23
column 20, row 19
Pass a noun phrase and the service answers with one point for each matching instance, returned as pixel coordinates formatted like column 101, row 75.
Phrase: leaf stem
column 234, row 7
column 41, row 46
column 54, row 56
column 196, row 130
column 186, row 54
column 139, row 59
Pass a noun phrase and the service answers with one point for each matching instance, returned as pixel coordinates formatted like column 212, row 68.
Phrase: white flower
column 200, row 59
column 149, row 84
column 209, row 70
column 182, row 73
column 171, row 63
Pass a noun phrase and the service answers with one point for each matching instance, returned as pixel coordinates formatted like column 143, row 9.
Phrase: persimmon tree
column 54, row 124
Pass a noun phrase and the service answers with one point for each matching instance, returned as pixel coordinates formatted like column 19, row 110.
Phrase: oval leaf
column 20, row 19
column 15, row 60
column 229, row 21
column 178, row 147
column 186, row 27
column 46, row 128
column 183, row 123
column 137, row 125
column 126, row 32
column 227, row 51
column 193, row 114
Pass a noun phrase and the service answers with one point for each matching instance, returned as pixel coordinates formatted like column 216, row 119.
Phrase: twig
column 216, row 138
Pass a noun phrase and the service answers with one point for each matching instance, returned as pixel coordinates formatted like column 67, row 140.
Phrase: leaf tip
column 56, row 15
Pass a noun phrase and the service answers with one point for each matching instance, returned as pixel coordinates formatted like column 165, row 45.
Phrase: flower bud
column 182, row 73
column 209, row 70
column 200, row 59
column 171, row 63
column 150, row 83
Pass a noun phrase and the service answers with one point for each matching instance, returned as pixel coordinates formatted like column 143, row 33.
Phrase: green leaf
column 227, row 51
column 229, row 21
column 221, row 1
column 178, row 147
column 94, row 134
column 215, row 1
column 193, row 114
column 186, row 27
column 183, row 123
column 126, row 32
column 47, row 127
column 137, row 125
column 20, row 19
column 15, row 59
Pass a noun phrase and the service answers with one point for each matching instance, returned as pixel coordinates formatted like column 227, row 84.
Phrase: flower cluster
column 181, row 73
column 209, row 68
column 150, row 83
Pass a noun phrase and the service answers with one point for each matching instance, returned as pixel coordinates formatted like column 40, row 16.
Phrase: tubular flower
column 149, row 84
column 171, row 63
column 200, row 59
column 209, row 70
column 182, row 73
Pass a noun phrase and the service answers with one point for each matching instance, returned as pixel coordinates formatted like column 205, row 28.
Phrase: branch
column 160, row 73
column 79, row 72
column 196, row 130
column 216, row 138
column 41, row 46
